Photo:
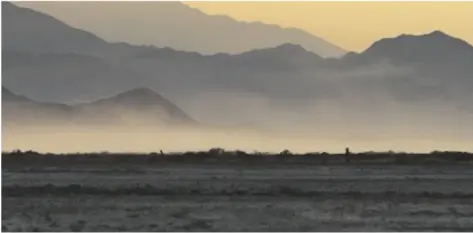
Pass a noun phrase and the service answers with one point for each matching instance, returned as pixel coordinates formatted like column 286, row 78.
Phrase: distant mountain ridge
column 24, row 29
column 430, row 68
column 431, row 47
column 138, row 106
column 190, row 30
column 139, row 101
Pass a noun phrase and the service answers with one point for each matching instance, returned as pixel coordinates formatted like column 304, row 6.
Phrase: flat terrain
column 217, row 197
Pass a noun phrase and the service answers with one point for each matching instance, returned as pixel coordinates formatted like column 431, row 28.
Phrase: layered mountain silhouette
column 433, row 47
column 28, row 30
column 179, row 26
column 408, row 69
column 136, row 107
column 20, row 110
column 64, row 77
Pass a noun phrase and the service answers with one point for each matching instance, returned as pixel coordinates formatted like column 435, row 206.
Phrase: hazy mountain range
column 136, row 107
column 406, row 76
column 176, row 25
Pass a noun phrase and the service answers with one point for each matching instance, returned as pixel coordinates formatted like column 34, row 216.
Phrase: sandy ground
column 199, row 198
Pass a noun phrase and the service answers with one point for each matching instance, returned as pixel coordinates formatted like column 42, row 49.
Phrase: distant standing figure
column 347, row 154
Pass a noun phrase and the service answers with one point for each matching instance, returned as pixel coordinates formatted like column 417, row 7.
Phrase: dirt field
column 198, row 197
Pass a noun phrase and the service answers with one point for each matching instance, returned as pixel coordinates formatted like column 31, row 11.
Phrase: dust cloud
column 359, row 111
column 140, row 139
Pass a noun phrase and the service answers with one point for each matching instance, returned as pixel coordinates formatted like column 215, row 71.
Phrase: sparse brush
column 218, row 155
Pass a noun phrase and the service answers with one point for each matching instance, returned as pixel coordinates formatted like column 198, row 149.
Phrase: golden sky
column 354, row 25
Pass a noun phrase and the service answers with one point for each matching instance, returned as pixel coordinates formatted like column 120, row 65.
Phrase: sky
column 354, row 25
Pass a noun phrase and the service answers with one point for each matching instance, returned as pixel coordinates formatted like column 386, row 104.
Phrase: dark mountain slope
column 28, row 30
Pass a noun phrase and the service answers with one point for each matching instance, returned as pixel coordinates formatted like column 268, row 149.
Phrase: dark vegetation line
column 274, row 191
column 220, row 156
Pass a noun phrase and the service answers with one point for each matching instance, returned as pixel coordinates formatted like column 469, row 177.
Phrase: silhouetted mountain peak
column 143, row 100
column 289, row 47
column 436, row 45
column 434, row 36
column 438, row 33
column 287, row 50
column 138, row 96
column 282, row 57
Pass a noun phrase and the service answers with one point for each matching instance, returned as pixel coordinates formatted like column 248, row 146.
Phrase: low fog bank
column 357, row 112
column 71, row 139
column 353, row 116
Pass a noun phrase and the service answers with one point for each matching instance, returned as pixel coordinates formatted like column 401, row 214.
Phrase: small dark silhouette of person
column 161, row 152
column 347, row 155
